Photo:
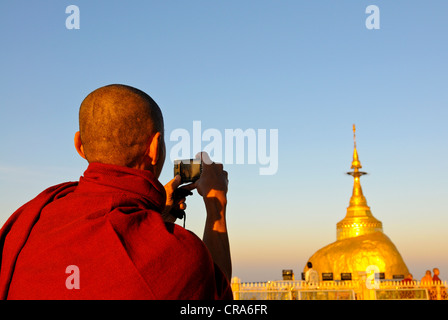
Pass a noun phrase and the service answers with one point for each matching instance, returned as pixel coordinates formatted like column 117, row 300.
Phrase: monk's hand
column 214, row 179
column 175, row 199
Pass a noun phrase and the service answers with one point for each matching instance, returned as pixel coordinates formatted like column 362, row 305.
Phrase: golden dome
column 354, row 255
column 360, row 241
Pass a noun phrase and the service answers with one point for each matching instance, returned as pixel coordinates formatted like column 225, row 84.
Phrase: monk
column 427, row 279
column 111, row 235
column 435, row 277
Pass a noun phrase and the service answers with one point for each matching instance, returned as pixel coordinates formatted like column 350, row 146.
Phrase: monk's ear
column 78, row 145
column 154, row 148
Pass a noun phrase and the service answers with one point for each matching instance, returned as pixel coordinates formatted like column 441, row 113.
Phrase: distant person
column 408, row 280
column 311, row 275
column 437, row 281
column 427, row 279
column 436, row 278
column 111, row 235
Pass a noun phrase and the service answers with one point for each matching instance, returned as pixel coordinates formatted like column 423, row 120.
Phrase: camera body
column 189, row 169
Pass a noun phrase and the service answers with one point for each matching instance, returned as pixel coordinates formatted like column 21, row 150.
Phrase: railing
column 402, row 294
column 433, row 290
column 322, row 294
column 339, row 290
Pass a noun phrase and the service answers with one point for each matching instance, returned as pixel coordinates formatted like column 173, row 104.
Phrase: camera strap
column 179, row 194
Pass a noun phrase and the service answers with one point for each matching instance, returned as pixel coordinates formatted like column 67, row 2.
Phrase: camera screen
column 188, row 169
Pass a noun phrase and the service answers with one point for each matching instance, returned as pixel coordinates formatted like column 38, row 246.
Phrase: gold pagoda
column 360, row 241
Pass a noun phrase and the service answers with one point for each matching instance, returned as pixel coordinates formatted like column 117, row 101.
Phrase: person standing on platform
column 408, row 280
column 436, row 278
column 427, row 279
column 311, row 275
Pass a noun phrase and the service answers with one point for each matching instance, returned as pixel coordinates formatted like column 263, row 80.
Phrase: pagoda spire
column 357, row 198
column 359, row 219
column 356, row 164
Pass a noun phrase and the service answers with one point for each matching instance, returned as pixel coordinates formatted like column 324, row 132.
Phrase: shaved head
column 115, row 124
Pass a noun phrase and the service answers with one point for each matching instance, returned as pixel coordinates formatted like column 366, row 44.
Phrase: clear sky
column 309, row 69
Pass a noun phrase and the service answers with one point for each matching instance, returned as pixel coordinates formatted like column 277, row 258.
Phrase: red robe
column 109, row 226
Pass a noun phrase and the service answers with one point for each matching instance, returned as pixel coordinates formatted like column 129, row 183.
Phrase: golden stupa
column 360, row 240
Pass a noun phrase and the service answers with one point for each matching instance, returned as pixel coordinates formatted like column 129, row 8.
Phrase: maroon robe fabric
column 109, row 226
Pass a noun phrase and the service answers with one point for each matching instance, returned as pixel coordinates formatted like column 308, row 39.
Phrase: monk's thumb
column 175, row 183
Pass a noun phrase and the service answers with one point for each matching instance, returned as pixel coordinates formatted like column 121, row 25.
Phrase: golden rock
column 354, row 255
column 360, row 241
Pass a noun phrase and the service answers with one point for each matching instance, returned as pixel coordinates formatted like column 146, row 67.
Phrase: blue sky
column 309, row 69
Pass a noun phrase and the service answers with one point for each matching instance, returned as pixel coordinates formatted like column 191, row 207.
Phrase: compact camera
column 188, row 169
